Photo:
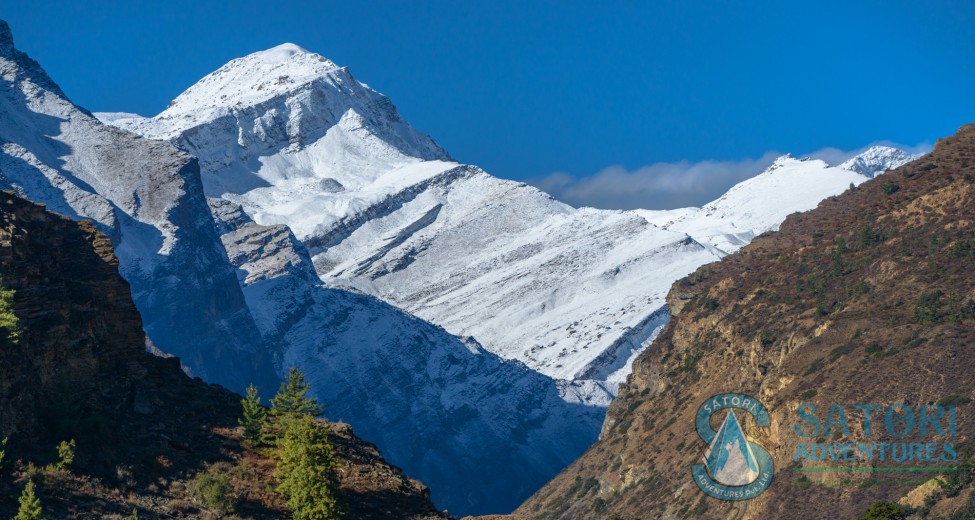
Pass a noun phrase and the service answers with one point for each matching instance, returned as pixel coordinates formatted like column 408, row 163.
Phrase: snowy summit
column 252, row 79
column 878, row 159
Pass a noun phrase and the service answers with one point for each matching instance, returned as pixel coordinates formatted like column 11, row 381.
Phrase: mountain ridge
column 350, row 243
column 857, row 301
column 401, row 209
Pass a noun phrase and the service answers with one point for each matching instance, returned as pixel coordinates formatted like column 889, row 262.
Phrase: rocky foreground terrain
column 79, row 370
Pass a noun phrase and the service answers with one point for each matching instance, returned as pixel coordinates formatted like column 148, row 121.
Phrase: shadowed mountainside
column 79, row 370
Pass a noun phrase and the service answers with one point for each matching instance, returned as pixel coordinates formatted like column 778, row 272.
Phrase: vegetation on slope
column 870, row 298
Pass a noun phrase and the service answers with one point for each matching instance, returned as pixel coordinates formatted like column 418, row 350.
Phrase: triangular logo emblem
column 729, row 459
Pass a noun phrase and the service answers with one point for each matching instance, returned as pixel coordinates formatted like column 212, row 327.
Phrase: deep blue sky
column 525, row 89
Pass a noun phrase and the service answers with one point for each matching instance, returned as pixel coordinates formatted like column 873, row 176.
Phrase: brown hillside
column 79, row 370
column 870, row 298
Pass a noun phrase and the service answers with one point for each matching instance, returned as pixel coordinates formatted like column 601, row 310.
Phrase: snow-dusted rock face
column 147, row 197
column 877, row 160
column 384, row 211
column 476, row 428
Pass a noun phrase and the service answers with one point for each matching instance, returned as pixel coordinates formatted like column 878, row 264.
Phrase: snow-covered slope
column 877, row 160
column 145, row 195
column 384, row 210
column 477, row 429
column 761, row 203
column 529, row 277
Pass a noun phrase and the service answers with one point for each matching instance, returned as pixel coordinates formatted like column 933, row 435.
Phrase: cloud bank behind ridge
column 670, row 185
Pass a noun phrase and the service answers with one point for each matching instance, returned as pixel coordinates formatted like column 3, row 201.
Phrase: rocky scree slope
column 869, row 298
column 80, row 371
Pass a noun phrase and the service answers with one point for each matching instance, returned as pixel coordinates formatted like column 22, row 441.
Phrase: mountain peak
column 288, row 54
column 878, row 159
column 286, row 48
column 784, row 161
column 254, row 78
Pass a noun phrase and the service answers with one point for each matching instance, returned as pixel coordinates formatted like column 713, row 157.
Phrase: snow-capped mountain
column 573, row 293
column 877, row 160
column 761, row 203
column 384, row 211
column 283, row 130
column 473, row 327
column 291, row 141
column 229, row 295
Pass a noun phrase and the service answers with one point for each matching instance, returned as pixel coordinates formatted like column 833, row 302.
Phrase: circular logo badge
column 733, row 468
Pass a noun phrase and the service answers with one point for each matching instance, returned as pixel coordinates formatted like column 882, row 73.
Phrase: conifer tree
column 30, row 505
column 306, row 471
column 65, row 454
column 254, row 417
column 9, row 323
column 291, row 397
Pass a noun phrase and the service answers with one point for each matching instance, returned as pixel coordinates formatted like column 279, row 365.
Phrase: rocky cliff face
column 868, row 299
column 79, row 370
column 79, row 326
column 147, row 197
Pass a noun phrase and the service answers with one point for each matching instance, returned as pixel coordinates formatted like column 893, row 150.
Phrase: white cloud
column 657, row 186
column 676, row 184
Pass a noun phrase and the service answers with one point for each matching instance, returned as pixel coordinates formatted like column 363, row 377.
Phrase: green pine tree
column 9, row 323
column 65, row 454
column 291, row 397
column 306, row 471
column 3, row 450
column 134, row 515
column 254, row 417
column 884, row 511
column 30, row 505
